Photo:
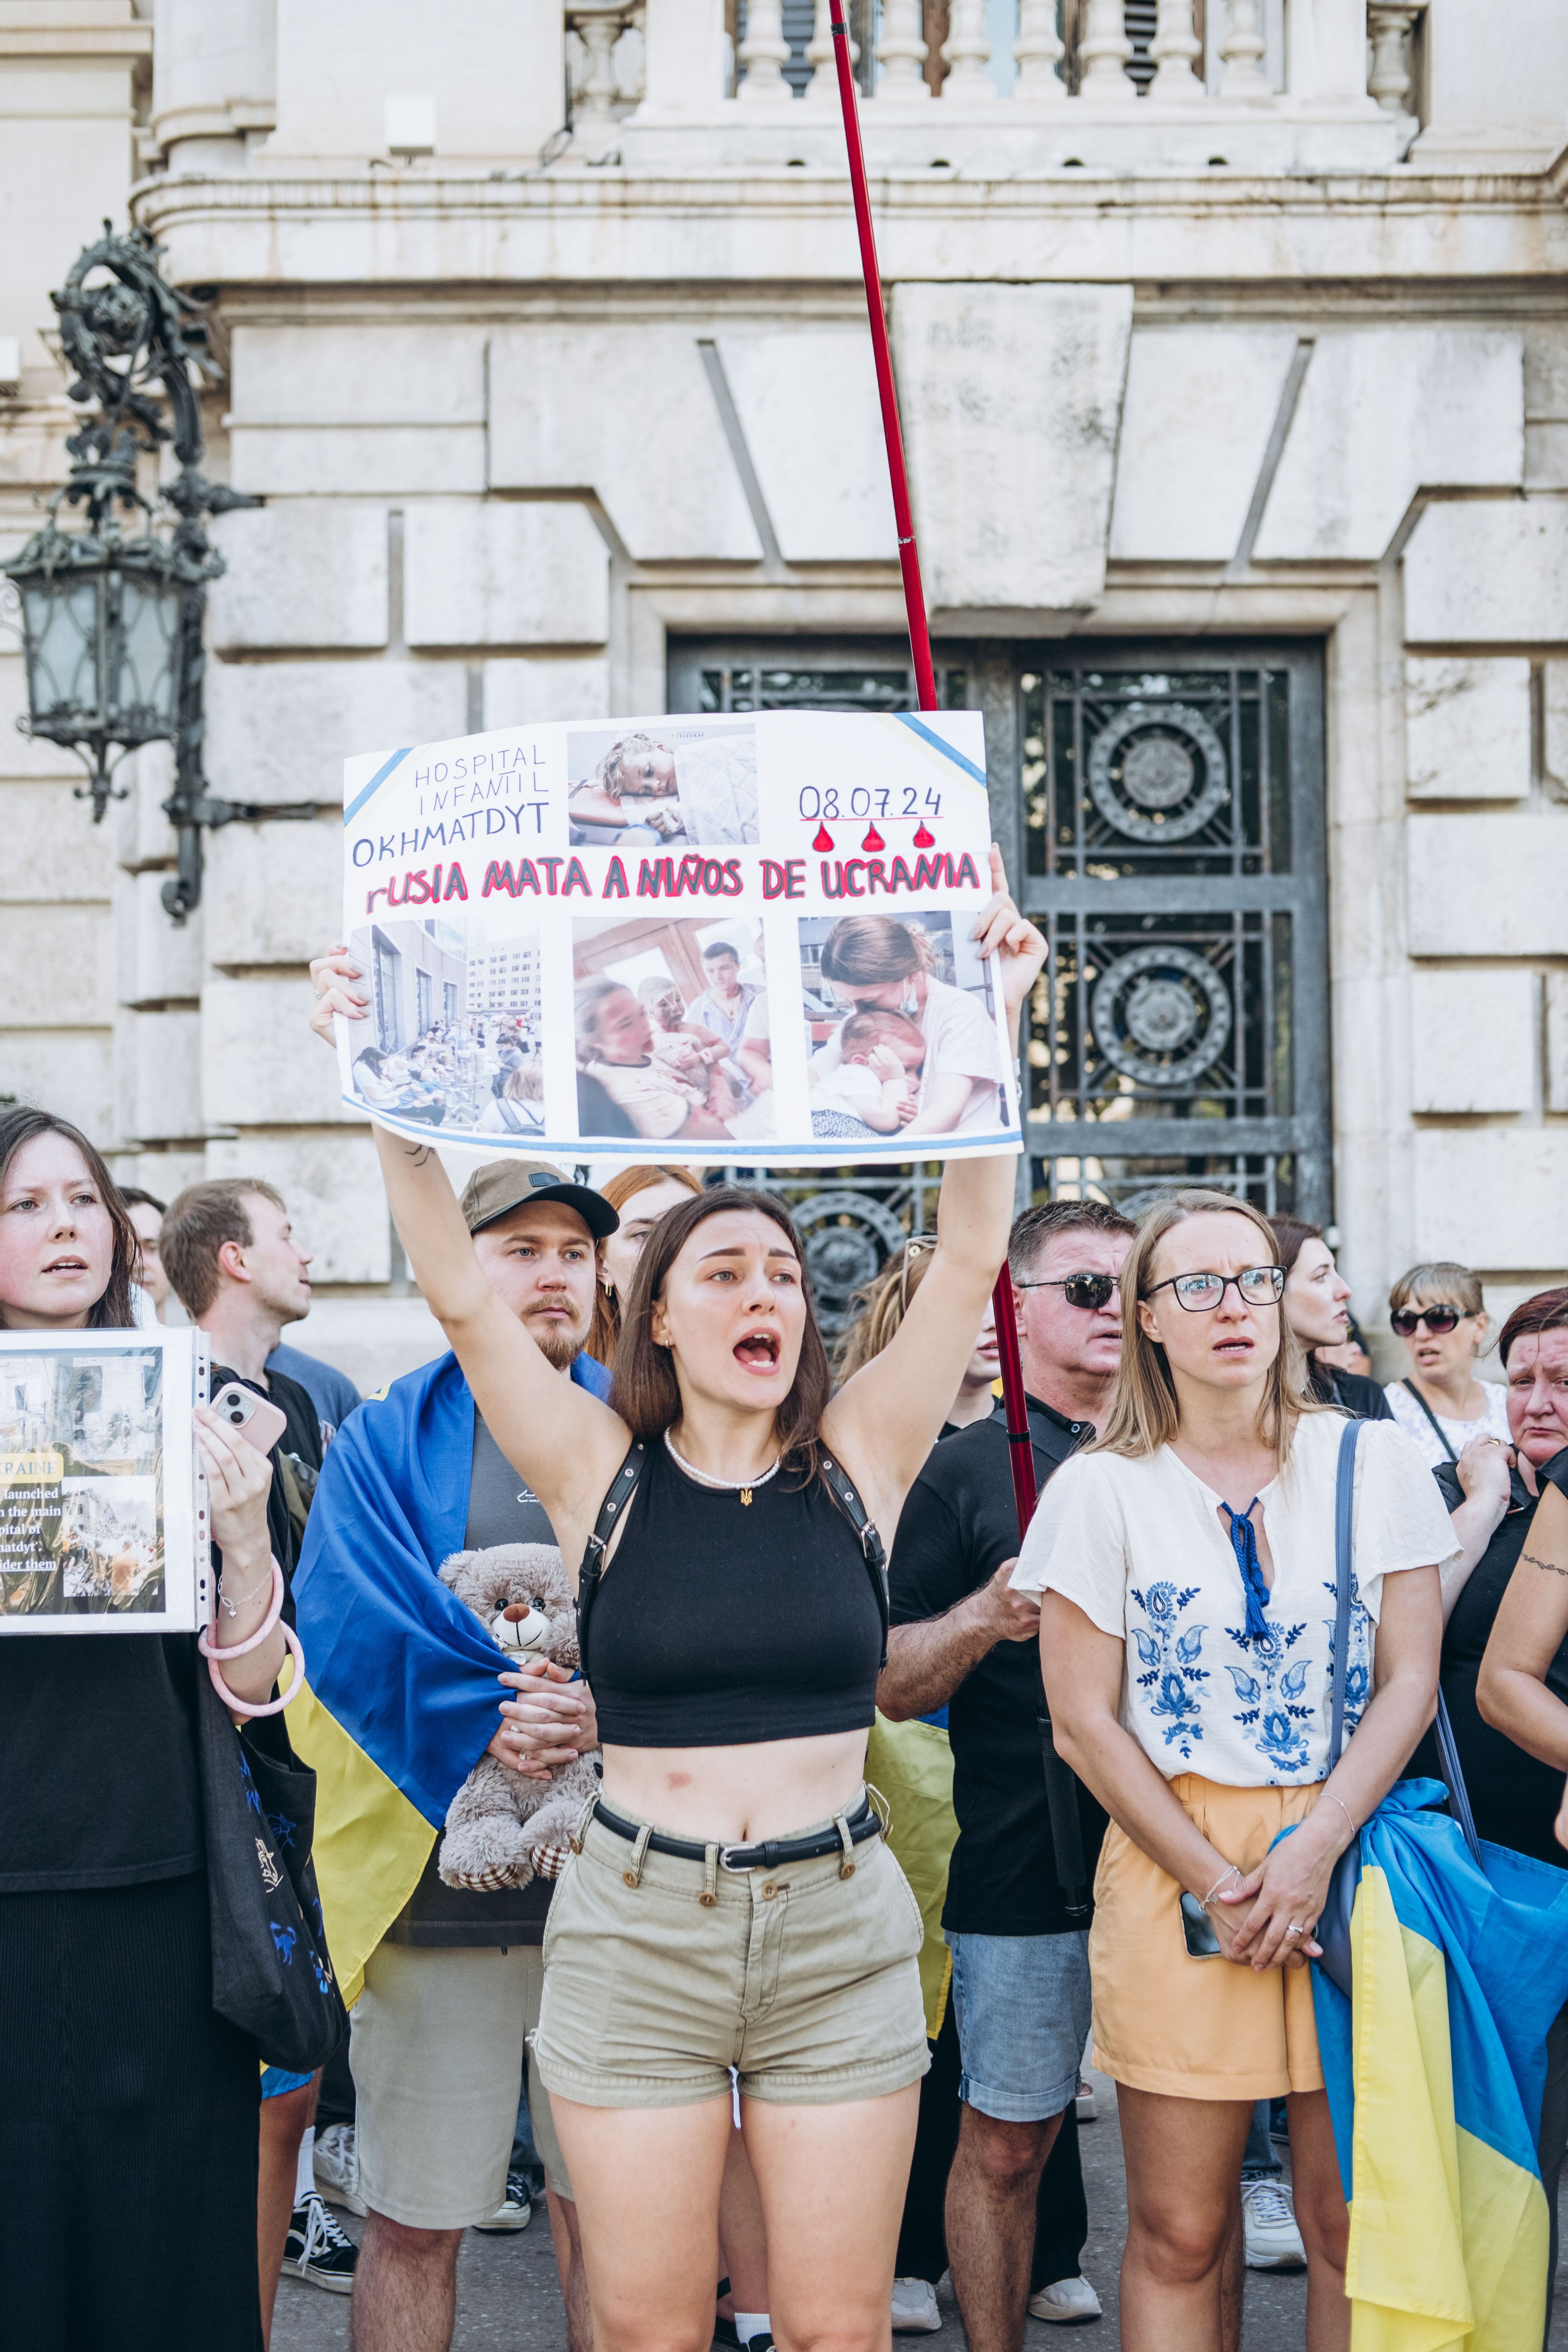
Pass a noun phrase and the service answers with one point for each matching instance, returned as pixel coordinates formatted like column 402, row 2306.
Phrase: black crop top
column 720, row 1623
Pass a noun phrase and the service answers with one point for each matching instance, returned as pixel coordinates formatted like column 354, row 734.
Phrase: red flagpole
column 1020, row 1452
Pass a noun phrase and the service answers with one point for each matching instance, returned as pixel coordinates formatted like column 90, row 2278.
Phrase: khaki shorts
column 437, row 2052
column 802, row 1981
column 1196, row 2029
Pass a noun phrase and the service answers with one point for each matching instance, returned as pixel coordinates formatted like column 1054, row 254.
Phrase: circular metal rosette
column 1161, row 1015
column 1158, row 772
column 847, row 1235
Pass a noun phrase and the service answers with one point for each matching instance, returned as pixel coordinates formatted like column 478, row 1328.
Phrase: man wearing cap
column 452, row 1986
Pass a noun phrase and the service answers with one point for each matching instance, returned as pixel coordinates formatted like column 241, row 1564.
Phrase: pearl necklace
column 744, row 1488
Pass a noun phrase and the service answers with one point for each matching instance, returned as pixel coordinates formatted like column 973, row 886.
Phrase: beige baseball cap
column 501, row 1186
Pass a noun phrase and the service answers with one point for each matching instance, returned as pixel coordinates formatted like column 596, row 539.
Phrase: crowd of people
column 746, row 2007
column 483, row 1074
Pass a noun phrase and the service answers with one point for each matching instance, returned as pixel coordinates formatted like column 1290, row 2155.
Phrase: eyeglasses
column 917, row 1247
column 1407, row 1321
column 1259, row 1286
column 1089, row 1291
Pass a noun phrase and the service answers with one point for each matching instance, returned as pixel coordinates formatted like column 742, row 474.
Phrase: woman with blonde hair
column 1185, row 1565
column 654, row 1189
column 1437, row 1310
column 882, row 1305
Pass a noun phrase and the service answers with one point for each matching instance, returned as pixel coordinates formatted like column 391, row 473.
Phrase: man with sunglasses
column 1017, row 1909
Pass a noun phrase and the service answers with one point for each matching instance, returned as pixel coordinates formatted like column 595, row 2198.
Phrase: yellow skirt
column 1196, row 2029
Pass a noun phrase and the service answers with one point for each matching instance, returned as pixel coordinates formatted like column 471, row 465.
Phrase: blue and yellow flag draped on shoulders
column 401, row 1697
column 1434, row 2076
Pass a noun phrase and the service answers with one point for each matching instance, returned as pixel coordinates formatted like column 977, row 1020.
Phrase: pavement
column 509, row 2299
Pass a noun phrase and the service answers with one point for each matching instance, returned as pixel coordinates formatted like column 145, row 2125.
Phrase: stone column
column 1039, row 51
column 966, row 50
column 598, row 25
column 1104, row 53
column 1389, row 80
column 214, row 80
column 1242, row 51
column 822, row 90
column 764, row 53
column 900, row 52
column 1177, row 53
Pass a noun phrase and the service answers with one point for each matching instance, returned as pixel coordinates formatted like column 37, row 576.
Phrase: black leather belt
column 770, row 1854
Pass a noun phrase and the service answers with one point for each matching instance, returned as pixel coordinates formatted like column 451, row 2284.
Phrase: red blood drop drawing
column 824, row 838
column 924, row 839
column 873, row 839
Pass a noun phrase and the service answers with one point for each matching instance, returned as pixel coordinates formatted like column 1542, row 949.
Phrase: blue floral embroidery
column 1357, row 1667
column 1271, row 1691
column 1171, row 1663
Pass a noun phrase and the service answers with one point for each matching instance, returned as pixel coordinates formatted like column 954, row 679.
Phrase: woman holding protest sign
column 730, row 1901
column 120, row 2089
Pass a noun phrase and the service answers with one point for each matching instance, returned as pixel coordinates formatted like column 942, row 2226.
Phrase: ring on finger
column 1294, row 1931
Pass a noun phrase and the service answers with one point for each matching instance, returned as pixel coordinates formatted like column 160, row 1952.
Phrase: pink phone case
column 249, row 1416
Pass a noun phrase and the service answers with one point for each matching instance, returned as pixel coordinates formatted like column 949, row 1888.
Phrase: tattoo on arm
column 1549, row 1565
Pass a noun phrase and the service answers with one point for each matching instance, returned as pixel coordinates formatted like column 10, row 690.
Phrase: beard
column 560, row 1343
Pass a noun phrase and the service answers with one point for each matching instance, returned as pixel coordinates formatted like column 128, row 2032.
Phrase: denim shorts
column 1023, row 2009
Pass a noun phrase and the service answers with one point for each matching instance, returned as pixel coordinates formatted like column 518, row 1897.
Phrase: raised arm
column 566, row 1442
column 886, row 1419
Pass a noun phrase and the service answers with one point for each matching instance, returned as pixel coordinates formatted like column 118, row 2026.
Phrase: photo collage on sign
column 612, row 912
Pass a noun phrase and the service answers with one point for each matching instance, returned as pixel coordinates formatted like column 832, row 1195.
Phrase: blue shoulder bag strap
column 1448, row 1748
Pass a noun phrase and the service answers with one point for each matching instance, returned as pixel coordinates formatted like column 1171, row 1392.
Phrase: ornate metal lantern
column 113, row 613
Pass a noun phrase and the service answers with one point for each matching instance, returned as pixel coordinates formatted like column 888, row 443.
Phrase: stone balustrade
column 1336, row 90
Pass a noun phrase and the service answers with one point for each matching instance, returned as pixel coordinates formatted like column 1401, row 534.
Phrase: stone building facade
column 1232, row 345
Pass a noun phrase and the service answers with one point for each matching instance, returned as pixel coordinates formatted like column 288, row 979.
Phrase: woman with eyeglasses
column 1185, row 1637
column 1437, row 1310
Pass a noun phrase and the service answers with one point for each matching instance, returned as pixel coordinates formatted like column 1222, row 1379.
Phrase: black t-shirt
column 1353, row 1392
column 98, row 1755
column 302, row 1438
column 502, row 1508
column 957, row 1527
column 1514, row 1797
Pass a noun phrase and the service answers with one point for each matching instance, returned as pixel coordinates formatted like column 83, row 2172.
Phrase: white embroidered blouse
column 1142, row 1548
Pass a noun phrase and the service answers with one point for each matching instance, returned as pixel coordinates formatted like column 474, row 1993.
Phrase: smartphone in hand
column 250, row 1417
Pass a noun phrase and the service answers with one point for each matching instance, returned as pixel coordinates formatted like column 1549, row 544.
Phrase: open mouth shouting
column 758, row 1351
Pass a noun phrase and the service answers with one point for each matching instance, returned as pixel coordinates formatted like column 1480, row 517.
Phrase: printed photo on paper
column 900, row 1029
column 93, row 1537
column 688, row 782
column 670, row 1018
column 453, row 1033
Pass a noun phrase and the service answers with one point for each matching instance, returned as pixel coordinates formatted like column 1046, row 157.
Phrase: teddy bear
column 499, row 1823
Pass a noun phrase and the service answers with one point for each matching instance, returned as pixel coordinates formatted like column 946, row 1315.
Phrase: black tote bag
column 272, row 1975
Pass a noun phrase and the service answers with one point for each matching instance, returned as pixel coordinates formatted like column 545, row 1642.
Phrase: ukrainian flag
column 910, row 1765
column 401, row 1694
column 1435, row 2074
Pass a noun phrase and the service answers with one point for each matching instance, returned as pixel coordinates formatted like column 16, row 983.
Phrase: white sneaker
column 337, row 2167
column 1269, row 2218
column 1065, row 2301
column 1087, row 2104
column 914, row 2307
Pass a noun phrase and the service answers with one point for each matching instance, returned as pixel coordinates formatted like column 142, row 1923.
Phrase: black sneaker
column 317, row 2250
column 515, row 2210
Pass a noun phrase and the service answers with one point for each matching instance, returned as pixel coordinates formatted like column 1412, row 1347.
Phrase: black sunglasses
column 1407, row 1321
column 1089, row 1291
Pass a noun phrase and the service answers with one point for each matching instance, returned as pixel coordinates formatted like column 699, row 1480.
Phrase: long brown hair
column 622, row 1187
column 1144, row 1414
column 881, row 1305
column 646, row 1392
column 113, row 1311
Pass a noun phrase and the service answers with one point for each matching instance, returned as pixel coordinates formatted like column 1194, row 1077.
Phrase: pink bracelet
column 239, row 1649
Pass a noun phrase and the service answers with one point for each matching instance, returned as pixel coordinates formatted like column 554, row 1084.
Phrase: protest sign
column 740, row 939
column 102, row 1520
